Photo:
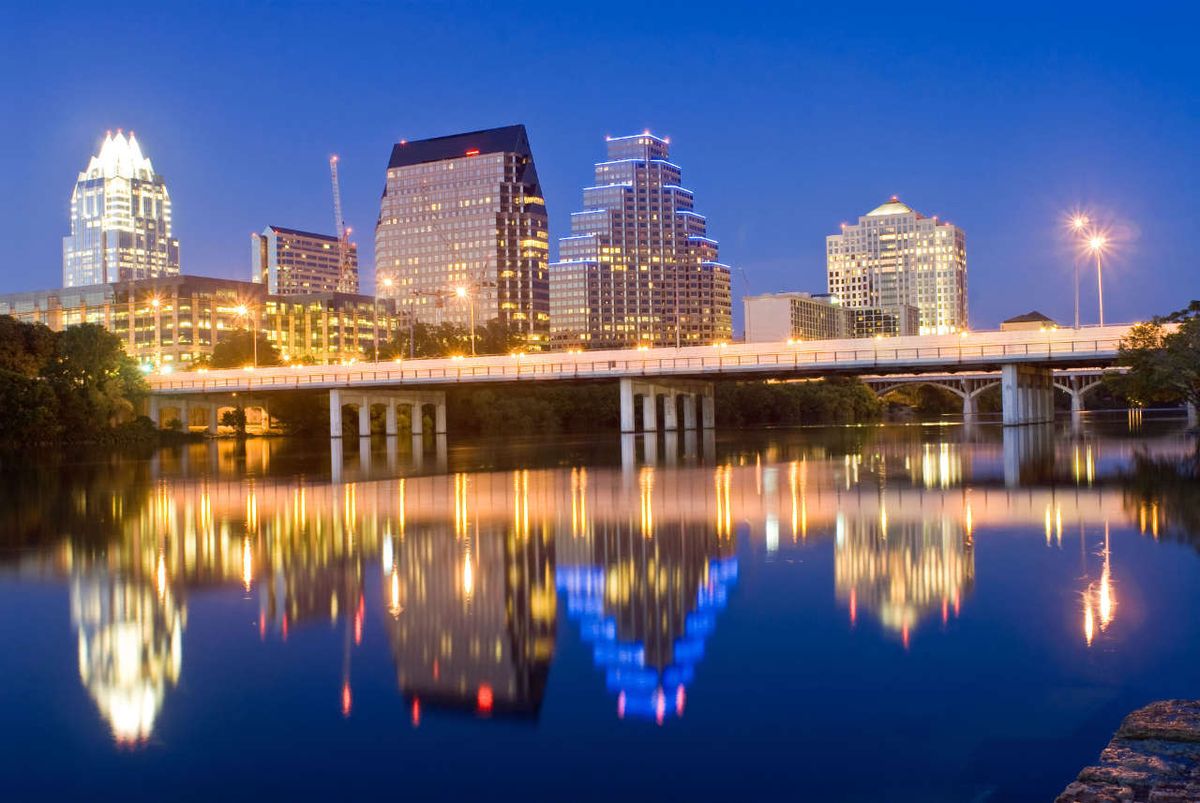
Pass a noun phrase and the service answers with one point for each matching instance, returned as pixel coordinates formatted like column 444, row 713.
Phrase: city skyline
column 1045, row 141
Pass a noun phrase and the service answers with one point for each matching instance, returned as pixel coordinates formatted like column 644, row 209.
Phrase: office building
column 795, row 316
column 291, row 262
column 639, row 268
column 463, row 233
column 895, row 256
column 120, row 219
column 177, row 320
column 896, row 321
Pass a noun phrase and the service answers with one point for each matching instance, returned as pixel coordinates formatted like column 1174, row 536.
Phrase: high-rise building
column 463, row 232
column 120, row 219
column 639, row 267
column 895, row 256
column 291, row 262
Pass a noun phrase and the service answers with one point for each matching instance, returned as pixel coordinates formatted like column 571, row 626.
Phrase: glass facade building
column 120, row 219
column 177, row 321
column 639, row 267
column 463, row 232
column 291, row 262
column 895, row 256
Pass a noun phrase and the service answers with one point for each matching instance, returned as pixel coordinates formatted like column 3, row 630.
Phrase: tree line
column 77, row 385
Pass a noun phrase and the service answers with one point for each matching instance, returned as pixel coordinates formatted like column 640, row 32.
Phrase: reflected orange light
column 416, row 712
column 1089, row 620
column 680, row 700
column 347, row 700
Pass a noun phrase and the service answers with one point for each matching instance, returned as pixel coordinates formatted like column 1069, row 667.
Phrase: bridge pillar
column 627, row 411
column 670, row 411
column 1026, row 393
column 1193, row 417
column 970, row 407
column 391, row 427
column 689, row 411
column 364, row 417
column 417, row 418
column 214, row 421
column 335, row 413
column 708, row 410
column 152, row 409
column 185, row 418
column 649, row 411
column 439, row 417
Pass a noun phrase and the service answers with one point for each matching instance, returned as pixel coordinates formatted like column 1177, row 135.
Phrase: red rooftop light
column 472, row 151
column 484, row 698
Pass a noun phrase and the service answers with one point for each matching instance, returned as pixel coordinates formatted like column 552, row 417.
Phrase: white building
column 776, row 317
column 120, row 219
column 896, row 256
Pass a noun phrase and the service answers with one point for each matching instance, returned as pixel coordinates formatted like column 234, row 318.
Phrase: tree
column 25, row 348
column 1163, row 358
column 427, row 341
column 237, row 350
column 95, row 383
column 235, row 418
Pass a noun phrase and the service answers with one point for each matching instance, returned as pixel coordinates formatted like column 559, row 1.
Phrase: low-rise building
column 1030, row 320
column 898, row 321
column 178, row 320
column 795, row 316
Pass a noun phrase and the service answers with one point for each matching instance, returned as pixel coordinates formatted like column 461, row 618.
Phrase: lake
column 901, row 613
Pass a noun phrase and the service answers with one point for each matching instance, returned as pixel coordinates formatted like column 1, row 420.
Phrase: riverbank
column 1154, row 756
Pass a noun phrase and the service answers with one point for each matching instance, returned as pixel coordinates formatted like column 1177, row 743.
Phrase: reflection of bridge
column 674, row 384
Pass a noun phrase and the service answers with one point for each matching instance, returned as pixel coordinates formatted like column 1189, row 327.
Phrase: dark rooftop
column 509, row 139
column 301, row 233
column 1031, row 317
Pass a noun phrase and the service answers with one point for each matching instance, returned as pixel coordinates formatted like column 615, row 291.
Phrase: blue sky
column 786, row 118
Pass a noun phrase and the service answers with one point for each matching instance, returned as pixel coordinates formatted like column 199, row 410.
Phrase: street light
column 1096, row 244
column 462, row 292
column 1078, row 224
column 244, row 312
column 388, row 282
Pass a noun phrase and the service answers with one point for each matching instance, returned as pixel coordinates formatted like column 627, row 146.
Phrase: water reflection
column 466, row 571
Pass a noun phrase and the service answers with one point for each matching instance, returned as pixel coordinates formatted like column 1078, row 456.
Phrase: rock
column 1153, row 758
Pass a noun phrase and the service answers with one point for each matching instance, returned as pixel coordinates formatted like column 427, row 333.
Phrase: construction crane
column 345, row 280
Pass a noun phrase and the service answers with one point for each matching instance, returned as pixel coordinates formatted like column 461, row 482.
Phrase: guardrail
column 752, row 358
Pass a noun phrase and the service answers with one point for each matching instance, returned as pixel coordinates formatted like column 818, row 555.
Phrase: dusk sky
column 786, row 120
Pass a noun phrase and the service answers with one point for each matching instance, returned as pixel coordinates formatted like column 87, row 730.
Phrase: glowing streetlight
column 1078, row 225
column 244, row 312
column 463, row 293
column 1096, row 244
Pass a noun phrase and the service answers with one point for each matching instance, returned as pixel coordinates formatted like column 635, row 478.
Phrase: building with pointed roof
column 896, row 257
column 120, row 219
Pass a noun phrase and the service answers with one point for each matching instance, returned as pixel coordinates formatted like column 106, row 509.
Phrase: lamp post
column 463, row 293
column 244, row 312
column 1078, row 224
column 388, row 282
column 1096, row 244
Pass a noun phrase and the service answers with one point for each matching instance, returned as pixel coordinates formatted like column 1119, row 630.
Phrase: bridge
column 674, row 385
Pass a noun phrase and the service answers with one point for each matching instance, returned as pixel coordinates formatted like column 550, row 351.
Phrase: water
column 899, row 613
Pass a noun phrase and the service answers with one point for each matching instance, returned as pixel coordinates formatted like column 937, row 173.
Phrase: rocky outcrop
column 1154, row 757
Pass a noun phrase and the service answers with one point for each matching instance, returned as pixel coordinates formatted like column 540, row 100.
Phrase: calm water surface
column 893, row 613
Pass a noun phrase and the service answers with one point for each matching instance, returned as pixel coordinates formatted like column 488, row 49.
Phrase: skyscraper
column 120, row 219
column 291, row 262
column 463, row 232
column 896, row 256
column 639, row 267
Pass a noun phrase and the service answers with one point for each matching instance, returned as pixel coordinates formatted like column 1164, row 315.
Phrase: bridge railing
column 948, row 351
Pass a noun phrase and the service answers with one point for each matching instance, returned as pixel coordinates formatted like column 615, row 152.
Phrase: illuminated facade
column 639, row 267
column 899, row 321
column 177, row 320
column 291, row 262
column 466, row 213
column 795, row 316
column 896, row 256
column 120, row 219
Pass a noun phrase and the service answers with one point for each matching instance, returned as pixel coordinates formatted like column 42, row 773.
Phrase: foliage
column 237, row 350
column 1163, row 360
column 74, row 385
column 525, row 410
column 236, row 418
column 424, row 340
column 926, row 401
column 829, row 401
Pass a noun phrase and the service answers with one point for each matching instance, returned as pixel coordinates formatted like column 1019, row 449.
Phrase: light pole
column 1078, row 224
column 244, row 312
column 1096, row 244
column 388, row 284
column 462, row 292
